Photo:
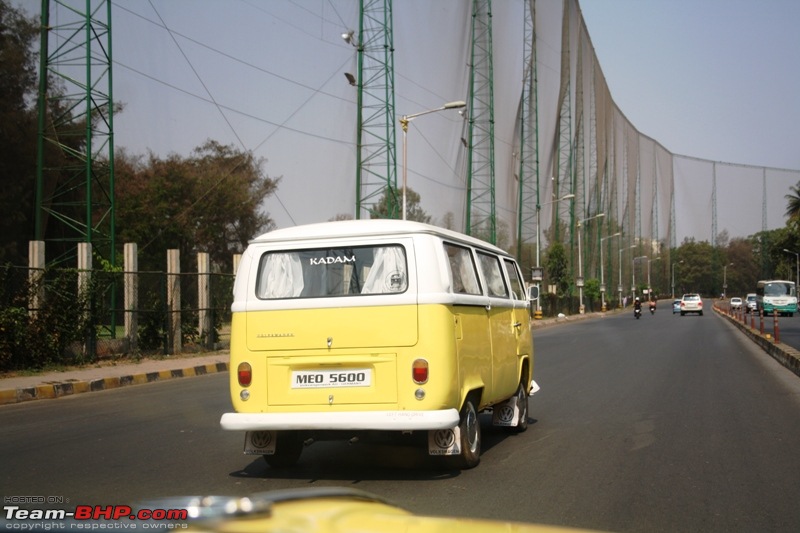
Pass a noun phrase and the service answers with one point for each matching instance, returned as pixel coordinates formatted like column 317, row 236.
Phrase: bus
column 776, row 296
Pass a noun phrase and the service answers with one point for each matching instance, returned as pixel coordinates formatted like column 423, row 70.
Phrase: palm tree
column 793, row 206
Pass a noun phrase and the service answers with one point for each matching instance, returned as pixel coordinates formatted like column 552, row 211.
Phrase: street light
column 725, row 279
column 404, row 123
column 619, row 289
column 649, row 287
column 580, row 260
column 602, row 281
column 797, row 266
column 673, row 277
column 633, row 274
column 538, row 268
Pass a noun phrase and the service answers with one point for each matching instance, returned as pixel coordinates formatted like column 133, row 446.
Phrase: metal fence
column 48, row 317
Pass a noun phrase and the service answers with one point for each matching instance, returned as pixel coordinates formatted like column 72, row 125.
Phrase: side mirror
column 533, row 293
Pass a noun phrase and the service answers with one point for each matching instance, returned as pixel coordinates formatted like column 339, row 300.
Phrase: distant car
column 751, row 302
column 691, row 303
column 676, row 306
column 736, row 303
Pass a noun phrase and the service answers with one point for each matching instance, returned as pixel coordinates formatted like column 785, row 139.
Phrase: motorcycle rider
column 637, row 305
column 652, row 306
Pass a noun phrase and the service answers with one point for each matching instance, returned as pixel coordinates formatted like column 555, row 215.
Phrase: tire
column 682, row 313
column 470, row 427
column 522, row 402
column 287, row 450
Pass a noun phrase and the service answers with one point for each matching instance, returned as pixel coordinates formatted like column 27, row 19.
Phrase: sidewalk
column 109, row 376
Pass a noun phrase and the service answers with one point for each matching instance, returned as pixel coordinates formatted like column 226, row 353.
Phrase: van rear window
column 332, row 272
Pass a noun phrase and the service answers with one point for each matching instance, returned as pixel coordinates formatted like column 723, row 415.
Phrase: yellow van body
column 376, row 325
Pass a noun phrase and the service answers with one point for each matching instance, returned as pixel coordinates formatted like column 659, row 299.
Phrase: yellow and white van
column 347, row 327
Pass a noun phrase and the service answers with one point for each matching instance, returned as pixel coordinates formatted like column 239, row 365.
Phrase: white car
column 736, row 303
column 691, row 303
column 751, row 303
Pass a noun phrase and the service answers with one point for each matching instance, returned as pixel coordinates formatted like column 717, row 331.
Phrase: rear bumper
column 361, row 420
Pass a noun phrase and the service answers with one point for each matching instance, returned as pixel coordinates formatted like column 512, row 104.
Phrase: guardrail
column 769, row 342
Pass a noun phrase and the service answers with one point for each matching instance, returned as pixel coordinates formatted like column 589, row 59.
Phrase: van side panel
column 438, row 342
column 504, row 352
column 473, row 349
column 524, row 339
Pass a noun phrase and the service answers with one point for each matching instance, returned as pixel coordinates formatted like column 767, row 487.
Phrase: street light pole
column 602, row 281
column 619, row 289
column 538, row 311
column 580, row 259
column 673, row 277
column 633, row 274
column 404, row 120
column 725, row 279
column 649, row 287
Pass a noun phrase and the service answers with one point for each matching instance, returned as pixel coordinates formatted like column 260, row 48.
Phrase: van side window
column 516, row 283
column 490, row 266
column 462, row 270
column 328, row 272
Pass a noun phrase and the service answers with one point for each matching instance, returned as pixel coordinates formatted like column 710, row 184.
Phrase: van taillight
column 245, row 374
column 419, row 371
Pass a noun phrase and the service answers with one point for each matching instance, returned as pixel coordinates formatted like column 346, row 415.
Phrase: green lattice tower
column 376, row 154
column 528, row 235
column 481, row 220
column 563, row 175
column 75, row 161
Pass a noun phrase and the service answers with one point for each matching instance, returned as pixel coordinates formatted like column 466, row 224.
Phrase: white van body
column 376, row 325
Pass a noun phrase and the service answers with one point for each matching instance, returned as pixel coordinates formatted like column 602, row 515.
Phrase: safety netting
column 564, row 160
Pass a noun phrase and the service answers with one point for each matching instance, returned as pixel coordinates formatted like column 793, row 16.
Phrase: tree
column 209, row 202
column 591, row 291
column 793, row 202
column 556, row 268
column 449, row 221
column 413, row 210
column 18, row 85
column 744, row 274
column 18, row 146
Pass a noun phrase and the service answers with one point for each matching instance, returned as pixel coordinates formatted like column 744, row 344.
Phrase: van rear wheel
column 470, row 441
column 288, row 448
column 522, row 412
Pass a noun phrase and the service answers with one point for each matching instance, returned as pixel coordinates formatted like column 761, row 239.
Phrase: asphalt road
column 667, row 423
column 788, row 329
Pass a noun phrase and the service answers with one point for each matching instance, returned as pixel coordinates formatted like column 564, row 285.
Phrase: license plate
column 317, row 379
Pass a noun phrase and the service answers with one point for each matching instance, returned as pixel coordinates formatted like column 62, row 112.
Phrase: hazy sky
column 712, row 79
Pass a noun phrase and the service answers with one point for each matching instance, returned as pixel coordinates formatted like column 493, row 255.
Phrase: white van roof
column 369, row 228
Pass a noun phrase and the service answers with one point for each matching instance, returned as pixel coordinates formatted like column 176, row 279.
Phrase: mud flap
column 260, row 442
column 444, row 441
column 506, row 414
